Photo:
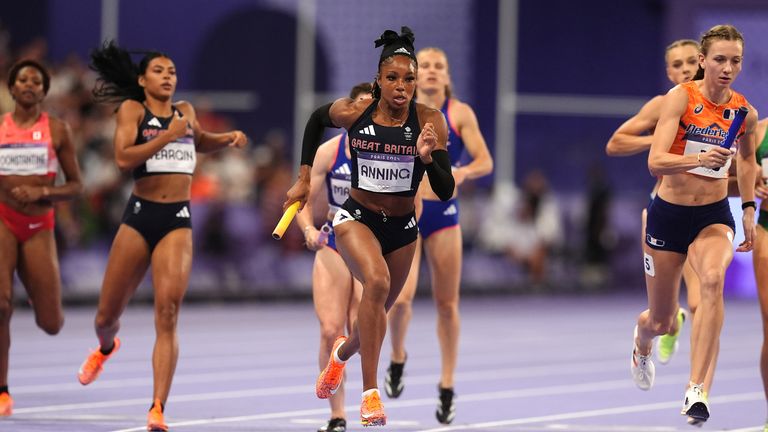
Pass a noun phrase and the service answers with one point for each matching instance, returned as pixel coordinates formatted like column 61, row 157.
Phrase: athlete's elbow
column 610, row 148
column 123, row 165
column 446, row 193
column 77, row 188
column 654, row 169
column 488, row 167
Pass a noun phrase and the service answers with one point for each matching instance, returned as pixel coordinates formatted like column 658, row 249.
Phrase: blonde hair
column 448, row 89
column 720, row 32
column 679, row 43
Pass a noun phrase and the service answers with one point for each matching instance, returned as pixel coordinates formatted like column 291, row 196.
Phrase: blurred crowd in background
column 516, row 237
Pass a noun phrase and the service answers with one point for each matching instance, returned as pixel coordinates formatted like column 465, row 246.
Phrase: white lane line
column 481, row 374
column 725, row 399
column 508, row 394
column 309, row 389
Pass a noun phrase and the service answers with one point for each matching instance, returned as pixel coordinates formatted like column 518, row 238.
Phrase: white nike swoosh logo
column 35, row 225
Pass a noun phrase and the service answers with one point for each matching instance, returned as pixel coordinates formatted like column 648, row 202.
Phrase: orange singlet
column 704, row 125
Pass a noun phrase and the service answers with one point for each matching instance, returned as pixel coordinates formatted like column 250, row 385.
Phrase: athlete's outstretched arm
column 206, row 142
column 635, row 135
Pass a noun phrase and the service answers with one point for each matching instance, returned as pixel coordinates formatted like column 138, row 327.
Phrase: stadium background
column 549, row 82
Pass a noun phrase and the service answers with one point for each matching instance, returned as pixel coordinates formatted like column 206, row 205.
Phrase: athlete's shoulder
column 425, row 111
column 185, row 107
column 459, row 108
column 130, row 107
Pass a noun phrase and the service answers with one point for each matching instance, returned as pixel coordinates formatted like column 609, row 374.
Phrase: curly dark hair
column 16, row 68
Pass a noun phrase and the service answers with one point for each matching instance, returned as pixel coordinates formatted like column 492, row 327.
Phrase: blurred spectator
column 600, row 239
column 274, row 176
column 525, row 225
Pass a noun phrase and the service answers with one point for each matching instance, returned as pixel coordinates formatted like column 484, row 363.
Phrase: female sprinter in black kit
column 393, row 141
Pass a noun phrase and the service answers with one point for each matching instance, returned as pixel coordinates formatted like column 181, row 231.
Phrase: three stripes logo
column 343, row 170
column 368, row 130
column 411, row 223
column 154, row 122
column 183, row 213
column 451, row 210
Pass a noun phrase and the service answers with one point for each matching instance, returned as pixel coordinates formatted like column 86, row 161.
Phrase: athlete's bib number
column 24, row 159
column 339, row 191
column 175, row 157
column 384, row 172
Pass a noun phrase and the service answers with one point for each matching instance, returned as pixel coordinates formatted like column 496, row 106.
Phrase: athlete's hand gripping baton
column 288, row 215
column 325, row 231
column 741, row 114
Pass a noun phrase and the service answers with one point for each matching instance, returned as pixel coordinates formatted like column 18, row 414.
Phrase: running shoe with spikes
column 372, row 410
column 337, row 424
column 331, row 377
column 446, row 409
column 666, row 345
column 695, row 404
column 94, row 364
column 393, row 380
column 641, row 366
column 155, row 419
column 6, row 404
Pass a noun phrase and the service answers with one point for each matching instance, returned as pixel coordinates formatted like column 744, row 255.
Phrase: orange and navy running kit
column 27, row 152
column 153, row 220
column 384, row 160
column 337, row 182
column 439, row 215
column 704, row 125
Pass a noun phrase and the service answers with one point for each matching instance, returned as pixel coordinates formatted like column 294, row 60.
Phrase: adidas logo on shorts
column 451, row 210
column 411, row 223
column 183, row 213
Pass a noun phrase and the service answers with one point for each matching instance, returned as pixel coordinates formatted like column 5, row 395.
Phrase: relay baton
column 325, row 231
column 288, row 215
column 741, row 114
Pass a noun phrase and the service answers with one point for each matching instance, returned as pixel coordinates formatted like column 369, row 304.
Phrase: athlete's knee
column 330, row 331
column 51, row 324
column 376, row 288
column 661, row 324
column 447, row 307
column 105, row 322
column 693, row 306
column 401, row 306
column 6, row 309
column 711, row 280
column 166, row 315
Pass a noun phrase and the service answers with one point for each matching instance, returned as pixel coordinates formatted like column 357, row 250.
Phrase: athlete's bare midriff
column 692, row 190
column 391, row 205
column 37, row 208
column 164, row 188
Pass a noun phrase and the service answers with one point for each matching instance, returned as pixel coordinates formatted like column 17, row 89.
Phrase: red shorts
column 24, row 226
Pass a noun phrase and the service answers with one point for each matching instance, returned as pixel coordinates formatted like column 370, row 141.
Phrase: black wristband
column 746, row 204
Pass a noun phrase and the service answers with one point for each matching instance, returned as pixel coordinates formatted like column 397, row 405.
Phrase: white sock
column 370, row 392
column 336, row 354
